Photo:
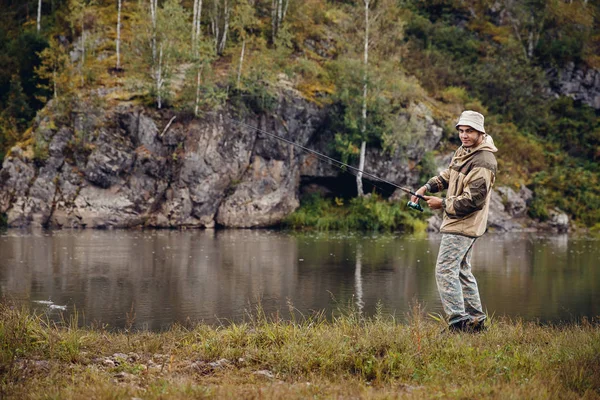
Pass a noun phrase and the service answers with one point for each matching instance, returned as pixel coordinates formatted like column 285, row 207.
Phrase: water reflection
column 179, row 276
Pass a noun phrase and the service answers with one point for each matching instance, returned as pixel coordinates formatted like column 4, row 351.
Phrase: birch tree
column 279, row 10
column 169, row 43
column 197, row 17
column 527, row 21
column 39, row 15
column 160, row 45
column 244, row 17
column 153, row 12
column 77, row 21
column 363, row 130
column 118, row 43
column 219, row 22
column 367, row 93
column 56, row 68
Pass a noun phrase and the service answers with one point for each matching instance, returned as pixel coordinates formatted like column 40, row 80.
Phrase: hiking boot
column 459, row 326
column 477, row 326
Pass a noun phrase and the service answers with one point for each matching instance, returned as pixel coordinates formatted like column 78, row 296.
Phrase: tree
column 39, row 15
column 54, row 62
column 161, row 46
column 244, row 18
column 279, row 10
column 220, row 18
column 77, row 20
column 363, row 130
column 371, row 90
column 17, row 109
column 197, row 18
column 118, row 42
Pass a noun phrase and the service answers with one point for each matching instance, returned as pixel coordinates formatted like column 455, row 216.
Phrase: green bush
column 571, row 188
column 575, row 127
column 369, row 213
column 40, row 150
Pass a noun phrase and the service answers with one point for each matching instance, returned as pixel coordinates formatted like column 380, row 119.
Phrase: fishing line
column 336, row 163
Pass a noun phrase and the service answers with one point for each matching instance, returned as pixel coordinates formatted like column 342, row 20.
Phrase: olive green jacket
column 469, row 180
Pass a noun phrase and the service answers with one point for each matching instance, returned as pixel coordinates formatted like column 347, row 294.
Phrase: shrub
column 370, row 213
column 570, row 187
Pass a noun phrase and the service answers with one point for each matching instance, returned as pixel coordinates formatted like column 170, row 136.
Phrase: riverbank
column 344, row 357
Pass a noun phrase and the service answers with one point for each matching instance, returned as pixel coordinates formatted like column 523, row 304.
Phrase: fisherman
column 468, row 180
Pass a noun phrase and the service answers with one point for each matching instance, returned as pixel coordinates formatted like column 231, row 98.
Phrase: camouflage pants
column 455, row 281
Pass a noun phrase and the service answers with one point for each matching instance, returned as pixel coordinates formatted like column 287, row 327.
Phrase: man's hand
column 435, row 203
column 421, row 192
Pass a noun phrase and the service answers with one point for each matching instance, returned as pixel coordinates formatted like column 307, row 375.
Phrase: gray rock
column 577, row 81
column 434, row 222
column 264, row 373
column 514, row 204
column 558, row 220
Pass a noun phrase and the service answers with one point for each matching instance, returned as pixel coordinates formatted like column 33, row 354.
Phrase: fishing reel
column 415, row 206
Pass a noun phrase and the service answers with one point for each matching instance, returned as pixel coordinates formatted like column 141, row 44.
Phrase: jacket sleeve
column 439, row 183
column 477, row 185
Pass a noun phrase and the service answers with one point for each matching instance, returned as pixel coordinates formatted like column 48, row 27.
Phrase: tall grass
column 347, row 355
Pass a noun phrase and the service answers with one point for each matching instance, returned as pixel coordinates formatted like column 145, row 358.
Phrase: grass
column 346, row 356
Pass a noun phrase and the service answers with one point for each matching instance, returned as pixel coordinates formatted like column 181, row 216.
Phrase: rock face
column 579, row 82
column 131, row 167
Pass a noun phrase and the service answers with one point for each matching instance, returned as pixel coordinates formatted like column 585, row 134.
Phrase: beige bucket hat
column 472, row 119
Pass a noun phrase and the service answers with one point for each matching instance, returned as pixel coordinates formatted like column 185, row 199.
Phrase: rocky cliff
column 580, row 82
column 131, row 167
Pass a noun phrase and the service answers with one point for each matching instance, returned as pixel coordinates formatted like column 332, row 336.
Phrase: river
column 153, row 279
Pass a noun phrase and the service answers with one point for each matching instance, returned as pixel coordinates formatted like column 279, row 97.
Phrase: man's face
column 469, row 136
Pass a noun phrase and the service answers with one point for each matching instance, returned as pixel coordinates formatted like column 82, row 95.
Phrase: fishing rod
column 339, row 164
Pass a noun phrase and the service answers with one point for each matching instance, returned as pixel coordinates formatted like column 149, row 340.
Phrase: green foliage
column 427, row 167
column 56, row 69
column 446, row 56
column 575, row 127
column 570, row 187
column 40, row 150
column 254, row 94
column 17, row 108
column 20, row 57
column 369, row 213
column 155, row 54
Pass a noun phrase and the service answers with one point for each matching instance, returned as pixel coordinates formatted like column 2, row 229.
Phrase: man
column 468, row 180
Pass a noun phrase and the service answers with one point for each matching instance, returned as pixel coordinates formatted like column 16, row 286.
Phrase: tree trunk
column 278, row 11
column 118, row 44
column 215, row 23
column 199, row 19
column 239, row 74
column 82, row 46
column 153, row 7
column 196, row 25
column 159, row 79
column 197, row 92
column 226, row 14
column 39, row 16
column 361, row 166
column 274, row 20
column 363, row 129
column 195, row 16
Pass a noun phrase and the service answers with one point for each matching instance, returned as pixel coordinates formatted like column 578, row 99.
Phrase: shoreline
column 349, row 357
